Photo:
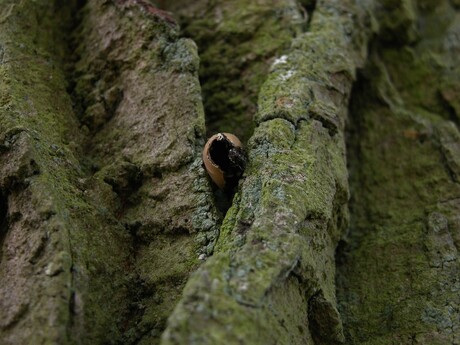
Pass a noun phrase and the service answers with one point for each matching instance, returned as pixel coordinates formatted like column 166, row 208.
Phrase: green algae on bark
column 107, row 211
column 398, row 271
column 237, row 42
column 138, row 83
column 271, row 279
column 50, row 231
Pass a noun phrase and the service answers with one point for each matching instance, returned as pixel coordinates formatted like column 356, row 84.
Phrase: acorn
column 224, row 160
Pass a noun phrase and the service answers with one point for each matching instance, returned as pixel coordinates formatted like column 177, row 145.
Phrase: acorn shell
column 216, row 174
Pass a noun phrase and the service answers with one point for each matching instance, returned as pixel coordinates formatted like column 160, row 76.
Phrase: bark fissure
column 105, row 209
column 403, row 153
column 144, row 176
column 238, row 42
column 234, row 60
column 256, row 264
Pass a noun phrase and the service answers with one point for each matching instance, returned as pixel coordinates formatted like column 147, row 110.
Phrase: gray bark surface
column 344, row 228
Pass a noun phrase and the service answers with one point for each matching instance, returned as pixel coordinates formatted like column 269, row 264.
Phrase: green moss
column 236, row 49
column 34, row 36
column 395, row 275
column 280, row 221
column 142, row 105
column 276, row 246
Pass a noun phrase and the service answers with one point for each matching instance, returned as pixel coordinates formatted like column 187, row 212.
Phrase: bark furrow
column 106, row 208
column 271, row 279
column 398, row 276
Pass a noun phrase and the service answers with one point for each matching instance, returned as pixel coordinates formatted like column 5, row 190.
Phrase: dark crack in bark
column 105, row 259
column 295, row 168
column 238, row 42
column 395, row 273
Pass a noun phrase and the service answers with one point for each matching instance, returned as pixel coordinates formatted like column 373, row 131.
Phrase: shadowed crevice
column 237, row 42
column 400, row 138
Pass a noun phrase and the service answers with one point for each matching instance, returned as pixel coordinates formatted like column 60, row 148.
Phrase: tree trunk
column 344, row 229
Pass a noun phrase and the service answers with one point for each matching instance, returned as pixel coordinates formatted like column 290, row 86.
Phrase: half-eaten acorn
column 224, row 160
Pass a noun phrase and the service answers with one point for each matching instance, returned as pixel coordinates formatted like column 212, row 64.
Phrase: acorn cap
column 214, row 171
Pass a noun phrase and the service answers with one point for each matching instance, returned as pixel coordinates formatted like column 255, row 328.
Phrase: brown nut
column 224, row 160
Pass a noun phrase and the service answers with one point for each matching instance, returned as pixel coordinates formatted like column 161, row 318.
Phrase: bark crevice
column 403, row 164
column 256, row 264
column 93, row 179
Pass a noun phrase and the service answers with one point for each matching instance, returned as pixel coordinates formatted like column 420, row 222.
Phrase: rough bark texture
column 238, row 42
column 106, row 212
column 271, row 279
column 102, row 198
column 399, row 270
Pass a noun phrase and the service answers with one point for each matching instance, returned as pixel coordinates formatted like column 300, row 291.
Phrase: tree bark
column 399, row 271
column 344, row 229
column 103, row 194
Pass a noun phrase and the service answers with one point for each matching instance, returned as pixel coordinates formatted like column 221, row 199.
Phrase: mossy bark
column 106, row 212
column 238, row 42
column 101, row 182
column 398, row 268
column 271, row 278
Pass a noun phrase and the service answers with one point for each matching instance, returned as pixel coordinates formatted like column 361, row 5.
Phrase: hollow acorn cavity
column 224, row 160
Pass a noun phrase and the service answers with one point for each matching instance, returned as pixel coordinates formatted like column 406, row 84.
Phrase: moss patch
column 237, row 42
column 395, row 280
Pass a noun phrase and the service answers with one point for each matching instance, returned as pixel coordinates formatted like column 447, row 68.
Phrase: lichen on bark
column 105, row 210
column 103, row 185
column 238, row 41
column 273, row 271
column 398, row 271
